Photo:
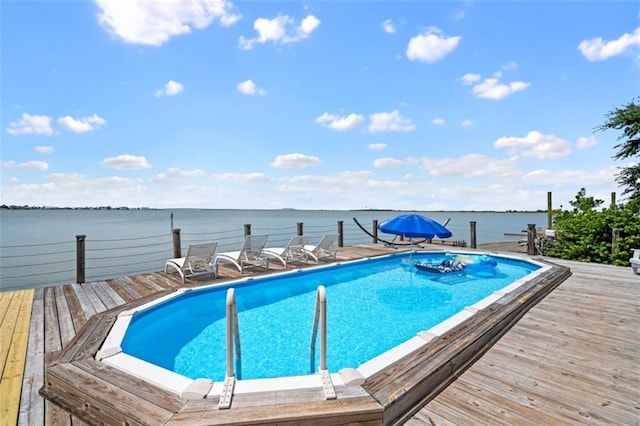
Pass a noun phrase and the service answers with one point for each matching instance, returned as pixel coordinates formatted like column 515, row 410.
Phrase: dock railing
column 86, row 259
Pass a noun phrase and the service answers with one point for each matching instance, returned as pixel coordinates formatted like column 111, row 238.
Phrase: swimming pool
column 375, row 306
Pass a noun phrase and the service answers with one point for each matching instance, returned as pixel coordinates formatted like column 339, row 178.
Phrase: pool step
column 227, row 393
column 327, row 385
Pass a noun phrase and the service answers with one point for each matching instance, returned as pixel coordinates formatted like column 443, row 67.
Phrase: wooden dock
column 572, row 359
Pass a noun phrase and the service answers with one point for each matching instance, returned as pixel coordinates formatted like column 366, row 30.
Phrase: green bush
column 587, row 235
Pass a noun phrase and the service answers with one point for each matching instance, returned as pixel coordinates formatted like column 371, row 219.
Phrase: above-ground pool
column 374, row 306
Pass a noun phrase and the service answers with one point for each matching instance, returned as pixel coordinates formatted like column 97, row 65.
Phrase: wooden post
column 531, row 239
column 615, row 234
column 299, row 227
column 340, row 233
column 613, row 200
column 473, row 233
column 80, row 258
column 375, row 231
column 247, row 229
column 549, row 207
column 177, row 248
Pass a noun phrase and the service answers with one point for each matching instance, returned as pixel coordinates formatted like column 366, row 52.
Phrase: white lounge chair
column 325, row 249
column 635, row 261
column 198, row 261
column 251, row 254
column 294, row 250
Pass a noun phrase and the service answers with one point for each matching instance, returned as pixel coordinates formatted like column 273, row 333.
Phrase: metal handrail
column 320, row 317
column 233, row 340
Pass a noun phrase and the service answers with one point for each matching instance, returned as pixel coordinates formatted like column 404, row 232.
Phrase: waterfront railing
column 86, row 259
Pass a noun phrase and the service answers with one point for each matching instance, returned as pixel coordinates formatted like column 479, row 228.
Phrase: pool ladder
column 321, row 317
column 233, row 341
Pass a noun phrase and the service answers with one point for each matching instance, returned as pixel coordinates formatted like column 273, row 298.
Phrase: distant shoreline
column 5, row 207
column 14, row 207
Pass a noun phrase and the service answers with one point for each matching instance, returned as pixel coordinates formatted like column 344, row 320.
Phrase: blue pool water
column 372, row 306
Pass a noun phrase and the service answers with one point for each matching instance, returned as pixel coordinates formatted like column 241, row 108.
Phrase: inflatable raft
column 445, row 267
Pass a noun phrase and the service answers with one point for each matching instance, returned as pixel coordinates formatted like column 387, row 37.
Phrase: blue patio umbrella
column 414, row 226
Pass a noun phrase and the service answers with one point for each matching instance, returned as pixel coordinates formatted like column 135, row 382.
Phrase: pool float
column 482, row 266
column 446, row 266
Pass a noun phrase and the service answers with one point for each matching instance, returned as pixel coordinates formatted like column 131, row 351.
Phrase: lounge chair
column 325, row 249
column 251, row 254
column 635, row 261
column 198, row 261
column 294, row 250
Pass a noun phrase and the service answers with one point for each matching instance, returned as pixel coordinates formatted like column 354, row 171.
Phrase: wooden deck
column 572, row 359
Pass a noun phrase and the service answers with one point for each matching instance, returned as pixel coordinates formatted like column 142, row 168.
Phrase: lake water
column 38, row 247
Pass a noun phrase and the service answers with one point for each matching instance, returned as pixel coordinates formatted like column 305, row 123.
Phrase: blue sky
column 413, row 105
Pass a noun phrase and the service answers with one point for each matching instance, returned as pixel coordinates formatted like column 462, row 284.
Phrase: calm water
column 372, row 307
column 38, row 247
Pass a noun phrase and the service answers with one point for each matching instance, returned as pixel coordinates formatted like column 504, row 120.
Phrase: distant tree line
column 26, row 207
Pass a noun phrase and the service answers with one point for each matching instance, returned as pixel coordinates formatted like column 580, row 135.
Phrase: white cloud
column 491, row 88
column 82, row 124
column 280, row 30
column 587, row 178
column 31, row 125
column 585, row 142
column 536, row 145
column 472, row 165
column 342, row 124
column 390, row 122
column 126, row 162
column 438, row 121
column 466, row 123
column 30, row 165
column 377, row 146
column 155, row 22
column 172, row 88
column 388, row 26
column 248, row 87
column 44, row 149
column 176, row 173
column 597, row 49
column 470, row 78
column 295, row 161
column 356, row 174
column 388, row 162
column 308, row 25
column 431, row 46
column 66, row 177
column 509, row 66
column 242, row 177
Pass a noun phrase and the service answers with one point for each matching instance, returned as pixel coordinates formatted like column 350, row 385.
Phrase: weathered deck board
column 109, row 404
column 78, row 315
column 354, row 410
column 32, row 406
column 55, row 330
column 14, row 339
column 572, row 359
